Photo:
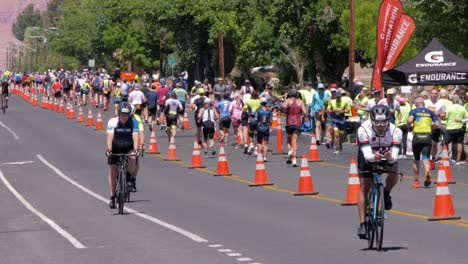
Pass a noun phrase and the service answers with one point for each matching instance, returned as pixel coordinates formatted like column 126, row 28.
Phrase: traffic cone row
column 99, row 125
column 446, row 163
column 222, row 169
column 306, row 185
column 186, row 121
column 261, row 177
column 172, row 151
column 313, row 151
column 80, row 115
column 90, row 120
column 354, row 185
column 443, row 205
column 153, row 144
column 279, row 137
column 196, row 156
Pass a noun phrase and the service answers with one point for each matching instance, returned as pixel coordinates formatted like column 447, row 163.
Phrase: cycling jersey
column 141, row 128
column 263, row 117
column 181, row 94
column 136, row 97
column 223, row 108
column 335, row 105
column 163, row 93
column 318, row 100
column 236, row 110
column 294, row 114
column 438, row 107
column 172, row 106
column 252, row 105
column 123, row 134
column 370, row 142
column 423, row 119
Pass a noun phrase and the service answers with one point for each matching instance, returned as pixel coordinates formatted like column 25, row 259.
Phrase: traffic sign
column 172, row 62
column 91, row 63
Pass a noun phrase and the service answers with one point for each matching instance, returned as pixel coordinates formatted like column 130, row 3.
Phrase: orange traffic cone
column 34, row 102
column 446, row 163
column 279, row 137
column 306, row 186
column 222, row 168
column 50, row 104
column 261, row 177
column 99, row 125
column 43, row 104
column 153, row 144
column 313, row 151
column 80, row 115
column 196, row 156
column 216, row 136
column 354, row 185
column 443, row 206
column 71, row 114
column 90, row 121
column 275, row 119
column 61, row 108
column 172, row 151
column 186, row 121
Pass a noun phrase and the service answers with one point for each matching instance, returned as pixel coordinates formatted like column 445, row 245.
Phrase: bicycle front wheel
column 380, row 218
column 370, row 224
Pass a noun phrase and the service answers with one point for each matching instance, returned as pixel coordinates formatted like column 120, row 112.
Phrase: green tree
column 28, row 18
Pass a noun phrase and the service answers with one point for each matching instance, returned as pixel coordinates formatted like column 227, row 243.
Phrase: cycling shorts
column 293, row 130
column 263, row 135
column 224, row 122
column 422, row 144
column 436, row 133
column 454, row 136
column 171, row 121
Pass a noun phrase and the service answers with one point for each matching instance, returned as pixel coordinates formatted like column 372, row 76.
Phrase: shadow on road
column 138, row 201
column 386, row 249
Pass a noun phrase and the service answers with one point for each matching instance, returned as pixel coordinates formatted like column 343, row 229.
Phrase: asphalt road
column 54, row 195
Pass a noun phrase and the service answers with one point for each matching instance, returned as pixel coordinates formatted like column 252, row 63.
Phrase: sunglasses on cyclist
column 380, row 123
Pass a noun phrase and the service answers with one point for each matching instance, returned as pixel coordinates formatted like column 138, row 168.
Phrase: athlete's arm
column 397, row 137
column 365, row 146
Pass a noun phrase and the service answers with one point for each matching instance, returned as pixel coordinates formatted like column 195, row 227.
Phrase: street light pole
column 351, row 43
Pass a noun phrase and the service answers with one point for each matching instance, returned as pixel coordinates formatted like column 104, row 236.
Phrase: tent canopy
column 435, row 65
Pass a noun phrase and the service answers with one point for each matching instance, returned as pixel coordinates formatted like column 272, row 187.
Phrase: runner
column 250, row 127
column 225, row 118
column 181, row 96
column 172, row 108
column 163, row 95
column 294, row 109
column 152, row 104
column 338, row 108
column 235, row 108
column 317, row 110
column 197, row 103
column 207, row 117
column 263, row 117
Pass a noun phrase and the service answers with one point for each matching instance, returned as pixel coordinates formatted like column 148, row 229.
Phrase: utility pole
column 351, row 43
column 221, row 54
column 37, row 55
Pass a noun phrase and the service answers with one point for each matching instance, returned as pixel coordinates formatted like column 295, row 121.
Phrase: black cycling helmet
column 379, row 113
column 125, row 108
column 226, row 96
column 293, row 93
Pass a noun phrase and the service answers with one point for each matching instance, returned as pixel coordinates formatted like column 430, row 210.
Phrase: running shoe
column 112, row 202
column 415, row 184
column 327, row 145
column 427, row 182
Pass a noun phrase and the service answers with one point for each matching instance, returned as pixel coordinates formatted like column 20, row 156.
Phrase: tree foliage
column 28, row 18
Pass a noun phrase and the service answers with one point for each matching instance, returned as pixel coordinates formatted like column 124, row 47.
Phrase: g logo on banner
column 413, row 78
column 434, row 56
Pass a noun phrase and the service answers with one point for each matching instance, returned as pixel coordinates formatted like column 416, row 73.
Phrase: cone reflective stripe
column 279, row 137
column 61, row 108
column 446, row 163
column 44, row 102
column 443, row 206
column 354, row 185
column 222, row 168
column 196, row 156
column 99, row 125
column 275, row 119
column 172, row 151
column 306, row 185
column 90, row 121
column 80, row 115
column 153, row 144
column 71, row 114
column 186, row 121
column 216, row 135
column 313, row 151
column 261, row 177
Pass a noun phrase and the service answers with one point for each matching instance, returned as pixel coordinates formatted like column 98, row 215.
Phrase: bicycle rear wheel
column 380, row 218
column 370, row 227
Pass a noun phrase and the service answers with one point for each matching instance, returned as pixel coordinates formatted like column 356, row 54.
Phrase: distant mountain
column 9, row 10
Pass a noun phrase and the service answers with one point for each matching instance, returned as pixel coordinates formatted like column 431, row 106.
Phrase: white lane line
column 244, row 259
column 234, row 254
column 176, row 229
column 215, row 246
column 226, row 250
column 18, row 162
column 9, row 130
column 49, row 221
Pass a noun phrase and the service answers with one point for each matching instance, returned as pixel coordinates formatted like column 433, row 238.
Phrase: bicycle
column 375, row 209
column 122, row 189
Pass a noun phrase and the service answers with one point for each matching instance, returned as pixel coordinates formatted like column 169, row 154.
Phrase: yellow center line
column 237, row 178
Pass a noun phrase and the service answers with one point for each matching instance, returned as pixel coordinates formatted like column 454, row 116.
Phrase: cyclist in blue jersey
column 224, row 118
column 263, row 118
